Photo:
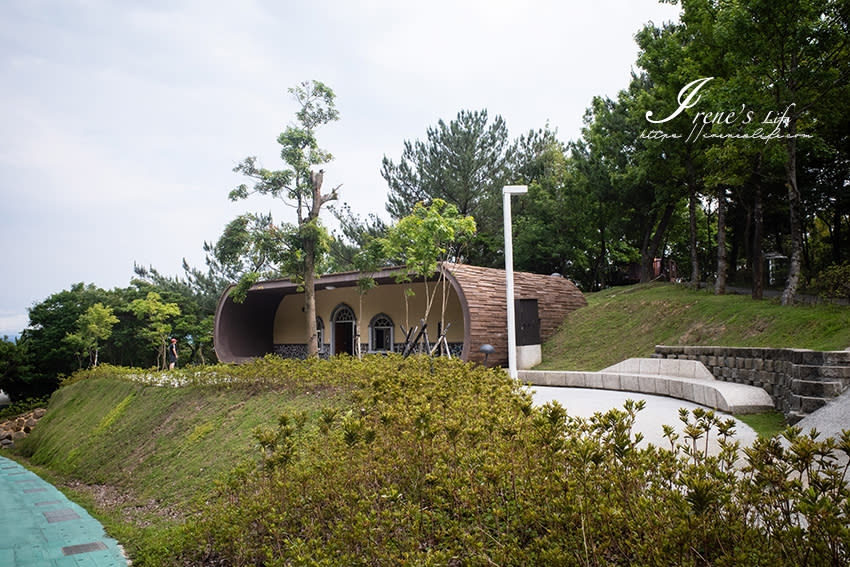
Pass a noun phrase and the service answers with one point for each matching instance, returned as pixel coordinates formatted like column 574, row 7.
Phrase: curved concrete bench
column 683, row 379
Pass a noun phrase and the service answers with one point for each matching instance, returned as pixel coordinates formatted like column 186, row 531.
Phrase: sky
column 120, row 122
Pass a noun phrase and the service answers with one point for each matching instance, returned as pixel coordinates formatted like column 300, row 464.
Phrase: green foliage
column 420, row 241
column 424, row 237
column 457, row 466
column 49, row 356
column 13, row 370
column 158, row 316
column 834, row 282
column 93, row 327
column 417, row 461
column 465, row 163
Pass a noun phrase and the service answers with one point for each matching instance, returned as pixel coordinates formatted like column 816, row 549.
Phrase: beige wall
column 388, row 299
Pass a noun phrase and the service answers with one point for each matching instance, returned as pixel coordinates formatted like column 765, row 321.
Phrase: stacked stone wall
column 798, row 380
column 16, row 428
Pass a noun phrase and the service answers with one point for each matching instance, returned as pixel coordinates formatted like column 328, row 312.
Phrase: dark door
column 344, row 337
column 527, row 322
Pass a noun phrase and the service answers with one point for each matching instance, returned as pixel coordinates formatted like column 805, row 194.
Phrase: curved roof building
column 467, row 305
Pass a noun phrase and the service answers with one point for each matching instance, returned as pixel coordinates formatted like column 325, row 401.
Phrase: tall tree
column 464, row 162
column 555, row 228
column 48, row 354
column 300, row 185
column 14, row 375
column 159, row 317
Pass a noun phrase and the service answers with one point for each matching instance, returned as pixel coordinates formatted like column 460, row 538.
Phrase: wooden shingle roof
column 482, row 292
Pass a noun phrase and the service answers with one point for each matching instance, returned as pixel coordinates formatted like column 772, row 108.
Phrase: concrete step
column 817, row 388
column 807, row 404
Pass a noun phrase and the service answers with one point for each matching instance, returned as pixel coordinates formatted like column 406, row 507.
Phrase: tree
column 48, row 355
column 197, row 295
column 159, row 316
column 354, row 236
column 422, row 240
column 465, row 163
column 93, row 327
column 554, row 220
column 798, row 51
column 13, row 370
column 302, row 245
column 630, row 172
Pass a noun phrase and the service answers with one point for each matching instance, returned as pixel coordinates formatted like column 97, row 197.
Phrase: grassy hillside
column 626, row 322
column 140, row 456
column 139, row 438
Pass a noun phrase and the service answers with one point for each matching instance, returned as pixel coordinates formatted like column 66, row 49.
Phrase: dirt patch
column 757, row 327
column 702, row 333
column 130, row 508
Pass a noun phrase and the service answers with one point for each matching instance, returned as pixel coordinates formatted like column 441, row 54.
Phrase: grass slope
column 625, row 322
column 141, row 438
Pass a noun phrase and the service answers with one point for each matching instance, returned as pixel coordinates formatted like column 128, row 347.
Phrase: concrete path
column 683, row 379
column 830, row 421
column 659, row 410
column 40, row 527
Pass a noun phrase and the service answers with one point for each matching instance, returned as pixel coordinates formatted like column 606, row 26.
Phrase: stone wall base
column 799, row 381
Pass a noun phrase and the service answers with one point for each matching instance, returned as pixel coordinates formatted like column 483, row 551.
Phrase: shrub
column 444, row 463
column 834, row 282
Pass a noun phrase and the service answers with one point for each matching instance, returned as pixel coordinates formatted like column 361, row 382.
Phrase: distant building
column 271, row 319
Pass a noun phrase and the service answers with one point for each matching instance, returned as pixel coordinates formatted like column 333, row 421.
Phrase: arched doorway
column 342, row 330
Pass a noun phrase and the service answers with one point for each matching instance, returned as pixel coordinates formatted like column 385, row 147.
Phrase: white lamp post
column 509, row 273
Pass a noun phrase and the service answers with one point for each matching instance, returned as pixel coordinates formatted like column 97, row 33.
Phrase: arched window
column 381, row 333
column 342, row 330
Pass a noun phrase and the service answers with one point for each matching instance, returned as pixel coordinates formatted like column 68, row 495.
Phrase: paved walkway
column 659, row 411
column 683, row 379
column 40, row 527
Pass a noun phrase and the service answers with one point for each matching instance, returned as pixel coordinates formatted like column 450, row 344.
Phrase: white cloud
column 12, row 324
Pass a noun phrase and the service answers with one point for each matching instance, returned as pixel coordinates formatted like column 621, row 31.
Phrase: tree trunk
column 310, row 265
column 722, row 265
column 310, row 297
column 836, row 232
column 600, row 277
column 756, row 254
column 692, row 214
column 794, row 205
column 651, row 245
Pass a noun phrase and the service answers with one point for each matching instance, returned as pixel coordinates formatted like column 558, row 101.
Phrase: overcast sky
column 121, row 122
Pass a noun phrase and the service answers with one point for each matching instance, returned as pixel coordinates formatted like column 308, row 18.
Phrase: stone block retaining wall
column 799, row 381
column 16, row 428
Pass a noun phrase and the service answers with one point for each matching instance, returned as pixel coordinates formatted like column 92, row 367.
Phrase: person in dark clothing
column 172, row 354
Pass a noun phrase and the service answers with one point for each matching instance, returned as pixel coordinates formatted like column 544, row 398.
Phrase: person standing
column 172, row 354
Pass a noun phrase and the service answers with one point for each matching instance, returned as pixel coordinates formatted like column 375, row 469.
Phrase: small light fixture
column 330, row 287
column 487, row 349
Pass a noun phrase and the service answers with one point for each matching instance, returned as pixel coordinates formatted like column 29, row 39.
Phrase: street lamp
column 509, row 273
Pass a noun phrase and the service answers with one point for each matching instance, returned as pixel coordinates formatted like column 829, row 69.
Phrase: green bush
column 834, row 282
column 21, row 407
column 444, row 463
